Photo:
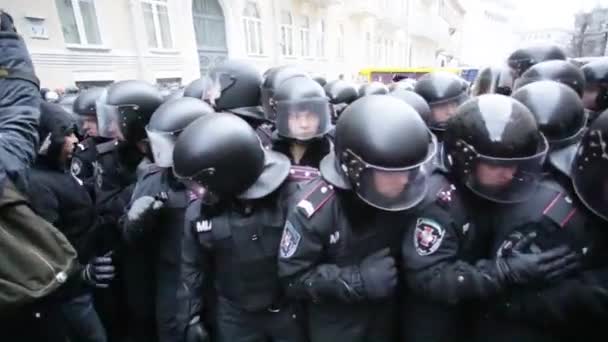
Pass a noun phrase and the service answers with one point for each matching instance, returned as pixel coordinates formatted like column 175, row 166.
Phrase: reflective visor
column 442, row 111
column 391, row 189
column 216, row 83
column 505, row 180
column 162, row 144
column 109, row 121
column 303, row 120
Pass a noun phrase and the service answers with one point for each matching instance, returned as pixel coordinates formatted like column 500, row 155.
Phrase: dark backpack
column 36, row 258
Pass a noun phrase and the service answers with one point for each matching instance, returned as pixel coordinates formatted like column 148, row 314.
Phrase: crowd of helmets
column 217, row 133
column 564, row 98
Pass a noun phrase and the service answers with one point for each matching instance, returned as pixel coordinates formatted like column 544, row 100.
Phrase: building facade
column 558, row 36
column 490, row 31
column 94, row 42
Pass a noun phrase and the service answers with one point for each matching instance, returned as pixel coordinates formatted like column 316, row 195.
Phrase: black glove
column 6, row 23
column 521, row 267
column 379, row 274
column 99, row 272
column 143, row 211
column 195, row 331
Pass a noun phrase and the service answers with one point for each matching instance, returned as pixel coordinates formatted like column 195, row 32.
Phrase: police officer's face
column 89, row 126
column 303, row 124
column 390, row 184
column 442, row 112
column 589, row 96
column 495, row 176
column 69, row 143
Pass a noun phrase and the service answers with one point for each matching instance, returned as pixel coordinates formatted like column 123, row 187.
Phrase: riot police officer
column 522, row 59
column 403, row 84
column 373, row 88
column 595, row 96
column 85, row 155
column 572, row 308
column 340, row 94
column 272, row 79
column 559, row 71
column 443, row 92
column 495, row 154
column 122, row 110
column 303, row 120
column 339, row 245
column 152, row 227
column 234, row 86
column 414, row 100
column 493, row 80
column 322, row 81
column 560, row 117
column 232, row 244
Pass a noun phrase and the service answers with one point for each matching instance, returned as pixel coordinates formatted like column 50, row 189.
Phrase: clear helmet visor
column 392, row 190
column 303, row 120
column 215, row 84
column 505, row 180
column 442, row 111
column 162, row 144
column 109, row 121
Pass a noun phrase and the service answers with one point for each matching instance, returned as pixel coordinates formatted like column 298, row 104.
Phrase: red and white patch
column 428, row 236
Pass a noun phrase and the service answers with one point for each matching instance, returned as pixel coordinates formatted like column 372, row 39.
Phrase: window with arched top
column 287, row 34
column 252, row 24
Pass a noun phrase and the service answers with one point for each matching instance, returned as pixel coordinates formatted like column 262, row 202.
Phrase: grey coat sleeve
column 19, row 107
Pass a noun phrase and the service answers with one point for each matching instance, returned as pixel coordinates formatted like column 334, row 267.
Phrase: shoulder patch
column 560, row 209
column 316, row 199
column 76, row 167
column 289, row 241
column 428, row 236
column 302, row 173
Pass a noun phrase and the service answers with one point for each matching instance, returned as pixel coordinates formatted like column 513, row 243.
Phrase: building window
column 79, row 22
column 305, row 36
column 158, row 27
column 368, row 47
column 340, row 42
column 287, row 34
column 321, row 39
column 378, row 49
column 252, row 23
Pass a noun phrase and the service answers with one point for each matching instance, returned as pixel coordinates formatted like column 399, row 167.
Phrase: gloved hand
column 195, row 331
column 378, row 274
column 143, row 211
column 521, row 267
column 99, row 272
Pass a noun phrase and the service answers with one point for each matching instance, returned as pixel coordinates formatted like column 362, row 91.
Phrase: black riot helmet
column 403, row 84
column 86, row 102
column 416, row 101
column 493, row 80
column 595, row 97
column 125, row 107
column 589, row 175
column 231, row 86
column 222, row 153
column 168, row 121
column 444, row 92
column 303, row 110
column 522, row 59
column 495, row 149
column 558, row 111
column 272, row 78
column 373, row 88
column 339, row 91
column 321, row 80
column 558, row 71
column 382, row 147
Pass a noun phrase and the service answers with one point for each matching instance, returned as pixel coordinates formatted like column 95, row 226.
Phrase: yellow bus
column 385, row 75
